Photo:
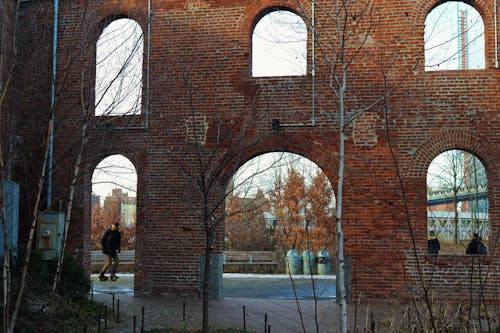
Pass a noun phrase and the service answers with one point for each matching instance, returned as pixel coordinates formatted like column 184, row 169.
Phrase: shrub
column 42, row 311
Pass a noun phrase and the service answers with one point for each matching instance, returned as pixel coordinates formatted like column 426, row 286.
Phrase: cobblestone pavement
column 280, row 315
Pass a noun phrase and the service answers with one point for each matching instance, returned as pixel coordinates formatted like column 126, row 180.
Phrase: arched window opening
column 279, row 202
column 457, row 202
column 114, row 184
column 454, row 38
column 279, row 45
column 119, row 53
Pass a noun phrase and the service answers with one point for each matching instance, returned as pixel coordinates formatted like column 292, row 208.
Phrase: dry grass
column 450, row 247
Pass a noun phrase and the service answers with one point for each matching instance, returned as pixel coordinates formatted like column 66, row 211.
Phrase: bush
column 74, row 283
column 41, row 311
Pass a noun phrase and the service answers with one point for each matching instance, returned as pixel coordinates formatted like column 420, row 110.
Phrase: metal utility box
column 50, row 229
column 12, row 211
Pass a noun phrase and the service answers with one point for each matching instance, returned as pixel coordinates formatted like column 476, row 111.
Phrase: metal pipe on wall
column 313, row 63
column 148, row 68
column 52, row 104
column 495, row 9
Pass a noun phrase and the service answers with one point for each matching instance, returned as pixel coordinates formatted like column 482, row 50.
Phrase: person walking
column 433, row 245
column 111, row 243
column 476, row 245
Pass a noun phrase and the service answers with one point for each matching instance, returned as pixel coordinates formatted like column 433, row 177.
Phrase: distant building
column 126, row 205
column 95, row 200
column 271, row 220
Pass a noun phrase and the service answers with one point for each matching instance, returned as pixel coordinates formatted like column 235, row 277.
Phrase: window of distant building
column 454, row 38
column 279, row 45
column 119, row 53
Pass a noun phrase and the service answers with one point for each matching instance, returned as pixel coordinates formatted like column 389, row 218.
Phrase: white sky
column 279, row 45
column 442, row 37
column 115, row 171
column 119, row 69
column 262, row 171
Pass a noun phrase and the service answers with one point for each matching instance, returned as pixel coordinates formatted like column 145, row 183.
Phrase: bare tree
column 78, row 59
column 218, row 147
column 119, row 55
column 460, row 175
column 6, row 122
column 338, row 50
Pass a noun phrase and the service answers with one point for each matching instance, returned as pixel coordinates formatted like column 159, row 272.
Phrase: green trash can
column 292, row 262
column 307, row 262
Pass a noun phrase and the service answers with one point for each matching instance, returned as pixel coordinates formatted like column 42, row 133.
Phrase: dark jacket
column 111, row 242
column 476, row 247
column 433, row 246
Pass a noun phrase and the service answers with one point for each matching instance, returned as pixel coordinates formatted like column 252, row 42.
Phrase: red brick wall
column 429, row 113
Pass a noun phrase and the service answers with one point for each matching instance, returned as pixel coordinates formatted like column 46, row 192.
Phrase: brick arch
column 114, row 10
column 111, row 12
column 253, row 13
column 464, row 139
column 303, row 144
column 423, row 7
column 99, row 158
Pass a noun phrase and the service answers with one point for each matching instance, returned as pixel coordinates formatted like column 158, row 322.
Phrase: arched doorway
column 114, row 188
column 278, row 202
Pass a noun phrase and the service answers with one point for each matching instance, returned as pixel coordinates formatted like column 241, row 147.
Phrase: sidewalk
column 267, row 303
column 282, row 314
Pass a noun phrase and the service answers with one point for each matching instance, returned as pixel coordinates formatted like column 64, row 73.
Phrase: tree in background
column 246, row 227
column 102, row 217
column 304, row 212
column 320, row 214
column 460, row 176
column 289, row 204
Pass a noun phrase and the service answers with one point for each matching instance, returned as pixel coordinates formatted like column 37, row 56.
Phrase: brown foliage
column 102, row 218
column 245, row 225
column 304, row 212
column 305, row 216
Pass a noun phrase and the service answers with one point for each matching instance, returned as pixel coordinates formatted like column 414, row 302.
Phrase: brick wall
column 429, row 113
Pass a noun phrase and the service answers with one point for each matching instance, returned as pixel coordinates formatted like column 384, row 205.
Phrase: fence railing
column 249, row 258
column 127, row 260
column 443, row 224
column 229, row 258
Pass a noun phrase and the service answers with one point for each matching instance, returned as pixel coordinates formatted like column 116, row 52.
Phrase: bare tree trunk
column 209, row 234
column 6, row 272
column 76, row 172
column 29, row 246
column 455, row 211
column 6, row 281
column 67, row 220
column 340, row 236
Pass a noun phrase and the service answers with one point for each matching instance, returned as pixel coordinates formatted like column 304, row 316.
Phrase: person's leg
column 106, row 266
column 114, row 268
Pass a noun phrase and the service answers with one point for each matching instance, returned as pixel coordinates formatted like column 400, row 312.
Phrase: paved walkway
column 282, row 315
column 250, row 301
